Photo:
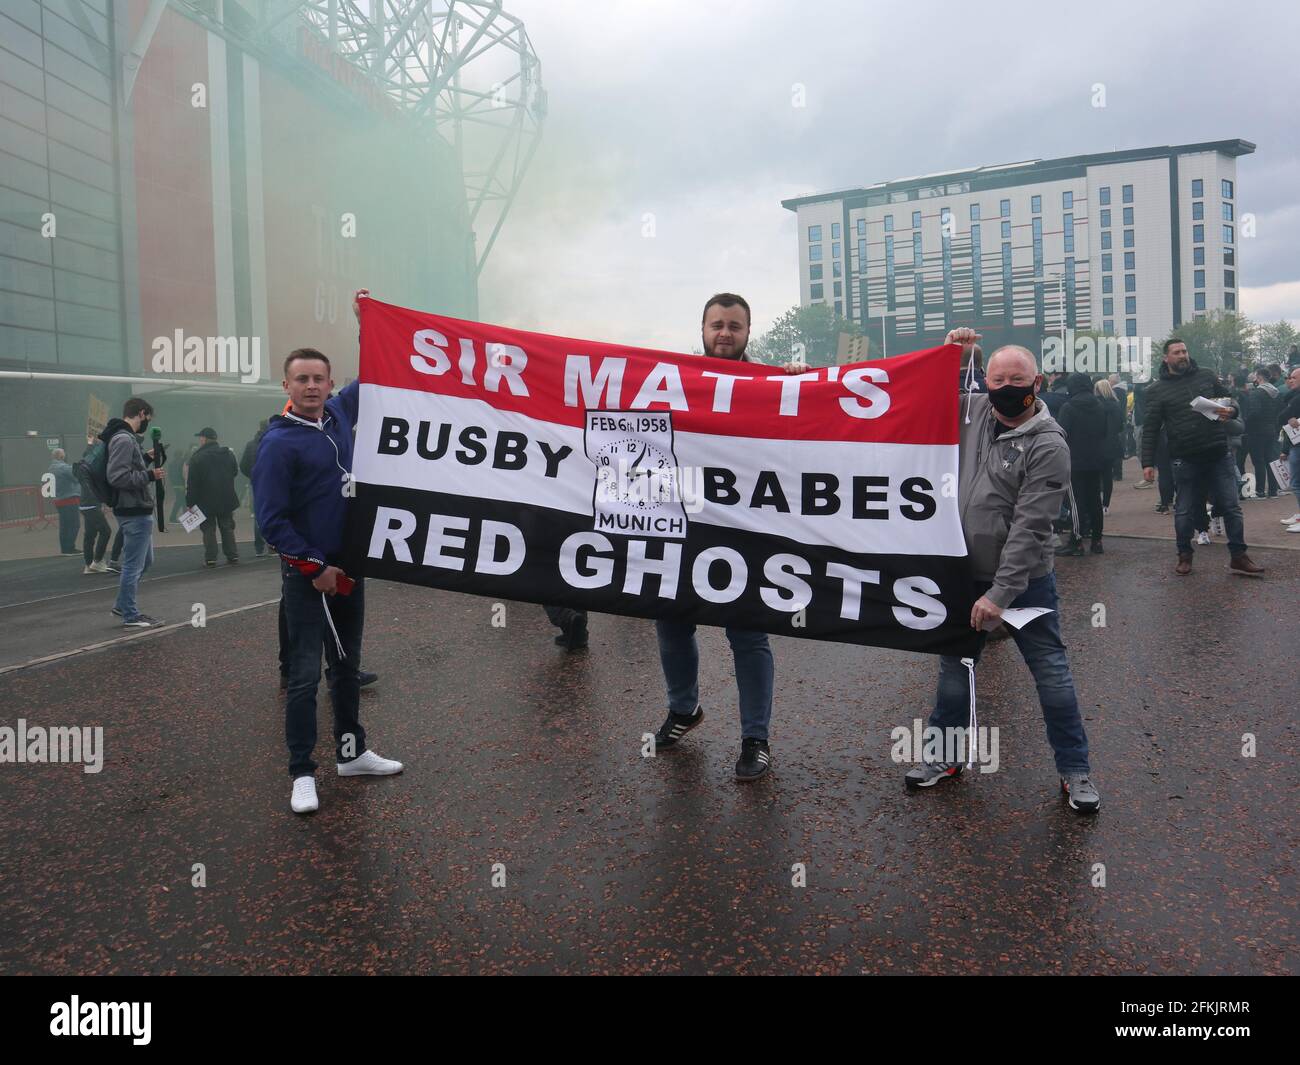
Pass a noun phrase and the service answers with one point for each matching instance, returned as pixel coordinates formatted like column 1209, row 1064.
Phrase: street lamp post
column 882, row 314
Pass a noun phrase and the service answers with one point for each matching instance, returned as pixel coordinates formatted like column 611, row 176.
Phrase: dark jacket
column 1259, row 409
column 1115, row 425
column 211, row 486
column 128, row 473
column 298, row 482
column 1290, row 409
column 1086, row 427
column 1169, row 404
column 249, row 458
column 1055, row 398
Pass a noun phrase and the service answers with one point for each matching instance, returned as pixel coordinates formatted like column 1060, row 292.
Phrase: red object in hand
column 343, row 584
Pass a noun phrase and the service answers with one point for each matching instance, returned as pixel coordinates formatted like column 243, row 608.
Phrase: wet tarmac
column 525, row 768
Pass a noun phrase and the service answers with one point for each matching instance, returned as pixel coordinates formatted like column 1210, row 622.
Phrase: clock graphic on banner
column 636, row 474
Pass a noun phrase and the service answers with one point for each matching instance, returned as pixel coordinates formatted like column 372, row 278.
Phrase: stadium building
column 185, row 184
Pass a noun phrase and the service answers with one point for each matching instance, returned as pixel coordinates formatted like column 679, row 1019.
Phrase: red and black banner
column 629, row 481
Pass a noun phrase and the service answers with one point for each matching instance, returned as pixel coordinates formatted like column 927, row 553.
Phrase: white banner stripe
column 572, row 486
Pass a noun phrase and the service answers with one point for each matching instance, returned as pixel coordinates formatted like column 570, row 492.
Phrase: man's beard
column 734, row 354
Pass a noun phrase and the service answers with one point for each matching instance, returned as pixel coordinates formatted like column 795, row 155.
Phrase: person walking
column 67, row 497
column 1087, row 427
column 211, row 488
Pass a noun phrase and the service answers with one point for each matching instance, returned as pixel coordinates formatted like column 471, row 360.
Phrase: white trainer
column 369, row 764
column 102, row 567
column 1294, row 528
column 1292, row 519
column 304, row 799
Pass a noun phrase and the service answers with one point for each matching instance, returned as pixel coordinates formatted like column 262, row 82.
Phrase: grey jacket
column 127, row 472
column 1010, row 490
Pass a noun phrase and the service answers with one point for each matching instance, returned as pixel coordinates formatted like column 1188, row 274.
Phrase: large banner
column 628, row 481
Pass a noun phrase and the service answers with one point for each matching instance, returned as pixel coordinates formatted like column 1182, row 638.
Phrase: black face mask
column 1011, row 401
column 144, row 425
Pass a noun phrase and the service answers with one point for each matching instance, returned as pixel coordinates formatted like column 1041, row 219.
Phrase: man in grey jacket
column 1014, row 471
column 131, row 480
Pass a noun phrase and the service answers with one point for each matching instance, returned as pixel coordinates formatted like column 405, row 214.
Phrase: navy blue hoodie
column 298, row 483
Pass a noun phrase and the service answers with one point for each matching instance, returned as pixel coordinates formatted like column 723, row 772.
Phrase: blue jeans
column 1044, row 653
column 1293, row 464
column 306, row 632
column 137, row 556
column 755, row 676
column 1217, row 478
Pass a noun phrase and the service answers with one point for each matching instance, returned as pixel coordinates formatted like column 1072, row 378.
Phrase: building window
column 1105, row 238
column 1198, row 187
column 974, row 212
column 1130, row 305
column 1198, row 256
column 814, row 234
column 1108, row 305
column 1036, row 205
column 1200, row 301
column 1104, row 194
column 1067, row 200
column 835, row 231
column 1130, row 283
column 1127, row 193
column 1230, row 301
column 1107, row 283
column 1128, row 238
column 1069, row 242
column 1128, row 216
column 889, row 223
column 1069, row 232
column 1105, row 218
column 1229, row 278
column 1130, row 260
column 1227, row 234
column 862, row 253
column 1004, row 208
column 815, row 292
column 862, row 227
column 814, row 253
column 1006, row 230
column 975, row 234
column 1227, row 189
column 916, row 219
column 835, row 268
column 1227, row 212
column 1105, row 262
column 1198, row 234
column 1198, row 279
column 1229, row 256
column 1198, row 211
column 1108, row 326
column 1130, row 327
column 838, row 286
column 815, row 272
column 839, row 307
column 1006, row 278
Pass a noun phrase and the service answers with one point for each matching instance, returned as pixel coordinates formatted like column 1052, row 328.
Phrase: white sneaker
column 100, row 567
column 369, row 764
column 304, row 799
column 1294, row 528
column 1216, row 527
column 1291, row 520
column 1202, row 538
column 89, row 569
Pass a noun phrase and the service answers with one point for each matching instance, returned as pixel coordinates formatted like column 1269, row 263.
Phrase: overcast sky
column 683, row 110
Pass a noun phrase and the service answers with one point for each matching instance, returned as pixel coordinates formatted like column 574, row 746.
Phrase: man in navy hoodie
column 302, row 486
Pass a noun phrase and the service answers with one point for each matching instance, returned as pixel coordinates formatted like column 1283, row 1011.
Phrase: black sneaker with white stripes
column 141, row 621
column 755, row 759
column 676, row 727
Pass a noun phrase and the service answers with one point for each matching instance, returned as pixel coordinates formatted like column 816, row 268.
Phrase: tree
column 1275, row 341
column 1222, row 341
column 807, row 334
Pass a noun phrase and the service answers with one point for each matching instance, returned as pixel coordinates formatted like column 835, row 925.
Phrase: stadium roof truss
column 467, row 65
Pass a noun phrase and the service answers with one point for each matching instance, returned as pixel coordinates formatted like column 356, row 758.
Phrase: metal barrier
column 25, row 507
